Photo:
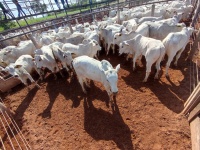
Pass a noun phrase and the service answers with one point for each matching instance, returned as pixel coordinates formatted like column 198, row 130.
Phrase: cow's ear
column 7, row 52
column 126, row 43
column 73, row 54
column 64, row 56
column 40, row 59
column 60, row 51
column 117, row 67
column 18, row 66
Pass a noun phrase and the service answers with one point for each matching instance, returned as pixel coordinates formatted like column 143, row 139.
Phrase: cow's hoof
column 144, row 81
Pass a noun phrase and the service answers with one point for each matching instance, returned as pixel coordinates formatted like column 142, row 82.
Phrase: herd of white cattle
column 139, row 34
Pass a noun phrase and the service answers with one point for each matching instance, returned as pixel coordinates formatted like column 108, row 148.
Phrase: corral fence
column 192, row 105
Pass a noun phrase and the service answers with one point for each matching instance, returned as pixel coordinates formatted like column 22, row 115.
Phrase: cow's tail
column 162, row 54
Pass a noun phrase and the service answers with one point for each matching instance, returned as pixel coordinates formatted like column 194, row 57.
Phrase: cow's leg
column 170, row 58
column 134, row 60
column 113, row 47
column 32, row 80
column 54, row 73
column 127, row 57
column 40, row 72
column 65, row 66
column 108, row 49
column 148, row 70
column 96, row 55
column 178, row 56
column 139, row 62
column 107, row 87
column 158, row 69
column 86, row 82
column 81, row 83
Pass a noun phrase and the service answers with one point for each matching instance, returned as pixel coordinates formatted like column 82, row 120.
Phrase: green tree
column 7, row 24
column 36, row 6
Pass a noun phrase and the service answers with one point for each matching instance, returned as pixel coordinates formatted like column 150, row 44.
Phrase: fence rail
column 71, row 18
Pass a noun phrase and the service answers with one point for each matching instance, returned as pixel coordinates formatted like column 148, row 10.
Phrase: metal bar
column 2, row 143
column 11, row 130
column 16, row 130
column 71, row 19
column 7, row 134
column 15, row 124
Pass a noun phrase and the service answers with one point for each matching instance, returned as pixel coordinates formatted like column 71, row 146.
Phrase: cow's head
column 124, row 48
column 117, row 38
column 112, row 79
column 68, row 57
column 96, row 45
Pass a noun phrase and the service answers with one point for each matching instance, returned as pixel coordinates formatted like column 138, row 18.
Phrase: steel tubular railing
column 15, row 130
column 79, row 16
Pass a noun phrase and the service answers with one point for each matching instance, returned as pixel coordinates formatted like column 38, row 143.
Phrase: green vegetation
column 36, row 5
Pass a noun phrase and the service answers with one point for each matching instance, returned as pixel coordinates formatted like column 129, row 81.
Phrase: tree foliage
column 38, row 7
column 7, row 25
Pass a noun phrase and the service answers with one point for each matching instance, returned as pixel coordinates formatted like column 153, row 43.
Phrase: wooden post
column 76, row 21
column 194, row 47
column 70, row 27
column 195, row 133
column 118, row 16
column 192, row 101
column 152, row 10
column 33, row 40
column 194, row 18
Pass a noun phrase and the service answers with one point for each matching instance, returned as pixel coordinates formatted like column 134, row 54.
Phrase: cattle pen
column 57, row 116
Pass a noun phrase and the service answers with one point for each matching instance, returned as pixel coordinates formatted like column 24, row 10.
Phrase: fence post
column 118, row 16
column 70, row 27
column 33, row 40
column 152, row 10
column 76, row 21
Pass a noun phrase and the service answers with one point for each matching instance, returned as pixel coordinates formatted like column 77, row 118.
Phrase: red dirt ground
column 147, row 115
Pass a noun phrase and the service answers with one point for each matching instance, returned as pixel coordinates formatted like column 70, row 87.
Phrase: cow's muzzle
column 115, row 93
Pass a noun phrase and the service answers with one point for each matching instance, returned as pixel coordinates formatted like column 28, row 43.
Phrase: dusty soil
column 147, row 116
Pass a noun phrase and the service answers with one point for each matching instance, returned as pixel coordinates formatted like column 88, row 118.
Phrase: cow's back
column 87, row 67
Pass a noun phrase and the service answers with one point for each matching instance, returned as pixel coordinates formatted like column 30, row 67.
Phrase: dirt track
column 147, row 115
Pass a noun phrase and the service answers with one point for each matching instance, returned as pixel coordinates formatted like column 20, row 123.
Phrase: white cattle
column 12, row 53
column 75, row 38
column 65, row 58
column 172, row 21
column 175, row 44
column 107, row 34
column 79, row 28
column 112, row 13
column 63, row 33
column 91, row 35
column 45, row 58
column 101, row 71
column 143, row 29
column 160, row 30
column 89, row 49
column 22, row 69
column 131, row 25
column 152, row 49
